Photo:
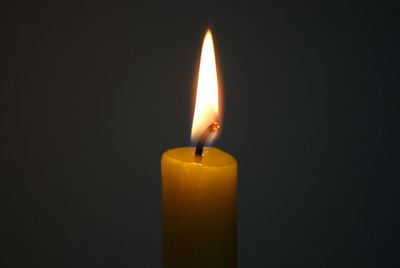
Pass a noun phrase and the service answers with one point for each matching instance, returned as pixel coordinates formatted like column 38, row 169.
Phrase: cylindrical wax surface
column 199, row 208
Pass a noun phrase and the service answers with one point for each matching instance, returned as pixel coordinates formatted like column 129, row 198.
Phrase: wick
column 204, row 136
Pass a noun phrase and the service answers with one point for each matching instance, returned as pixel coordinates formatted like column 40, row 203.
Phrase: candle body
column 199, row 208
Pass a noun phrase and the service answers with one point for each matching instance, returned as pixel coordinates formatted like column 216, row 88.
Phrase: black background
column 93, row 92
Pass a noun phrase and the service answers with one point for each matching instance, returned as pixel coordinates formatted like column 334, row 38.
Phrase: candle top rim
column 212, row 157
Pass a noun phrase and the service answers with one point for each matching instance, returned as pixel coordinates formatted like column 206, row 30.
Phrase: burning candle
column 199, row 185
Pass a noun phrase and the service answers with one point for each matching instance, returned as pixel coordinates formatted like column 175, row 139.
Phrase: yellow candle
column 199, row 186
column 199, row 208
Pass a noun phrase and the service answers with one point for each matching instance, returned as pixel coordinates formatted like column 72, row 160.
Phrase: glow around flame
column 206, row 107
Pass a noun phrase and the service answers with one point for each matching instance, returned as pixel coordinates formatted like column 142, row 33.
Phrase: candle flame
column 206, row 110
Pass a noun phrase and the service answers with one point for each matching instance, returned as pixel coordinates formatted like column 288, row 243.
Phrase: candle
column 199, row 185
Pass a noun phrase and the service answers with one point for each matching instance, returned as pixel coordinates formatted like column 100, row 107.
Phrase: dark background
column 93, row 92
